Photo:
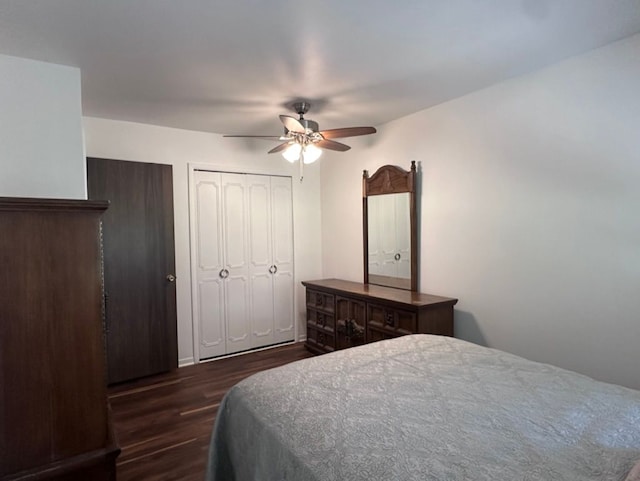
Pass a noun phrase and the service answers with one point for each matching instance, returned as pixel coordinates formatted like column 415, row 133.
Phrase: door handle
column 397, row 256
column 171, row 278
column 224, row 273
column 273, row 269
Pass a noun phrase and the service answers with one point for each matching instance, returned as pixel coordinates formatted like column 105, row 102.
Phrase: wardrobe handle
column 397, row 257
column 273, row 269
column 224, row 274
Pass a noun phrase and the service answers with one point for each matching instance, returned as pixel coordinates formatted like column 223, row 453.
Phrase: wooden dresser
column 343, row 314
column 54, row 415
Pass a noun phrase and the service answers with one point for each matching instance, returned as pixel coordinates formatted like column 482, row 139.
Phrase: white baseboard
column 187, row 361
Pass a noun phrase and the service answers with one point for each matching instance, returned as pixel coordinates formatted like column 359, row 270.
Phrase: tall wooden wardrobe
column 54, row 416
column 244, row 278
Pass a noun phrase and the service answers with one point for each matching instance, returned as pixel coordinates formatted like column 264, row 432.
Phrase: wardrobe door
column 210, row 274
column 260, row 261
column 282, row 255
column 235, row 233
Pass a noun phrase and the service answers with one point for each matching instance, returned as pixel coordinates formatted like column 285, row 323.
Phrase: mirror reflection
column 390, row 231
column 389, row 240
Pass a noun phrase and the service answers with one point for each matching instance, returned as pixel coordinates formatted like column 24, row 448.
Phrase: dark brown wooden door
column 139, row 265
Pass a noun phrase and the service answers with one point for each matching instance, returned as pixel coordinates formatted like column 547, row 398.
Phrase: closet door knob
column 397, row 257
column 224, row 274
column 171, row 278
column 273, row 269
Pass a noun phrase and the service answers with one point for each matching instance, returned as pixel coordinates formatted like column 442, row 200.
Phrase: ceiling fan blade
column 292, row 124
column 347, row 132
column 332, row 145
column 279, row 148
column 265, row 137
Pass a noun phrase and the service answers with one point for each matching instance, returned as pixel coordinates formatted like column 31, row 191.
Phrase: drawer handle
column 353, row 330
column 321, row 338
column 389, row 320
column 319, row 300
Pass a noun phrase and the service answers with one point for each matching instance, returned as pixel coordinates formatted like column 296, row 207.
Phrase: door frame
column 195, row 315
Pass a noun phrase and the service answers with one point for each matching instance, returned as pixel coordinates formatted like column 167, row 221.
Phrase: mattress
column 424, row 407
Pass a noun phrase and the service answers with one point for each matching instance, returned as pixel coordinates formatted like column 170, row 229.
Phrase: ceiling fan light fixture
column 292, row 153
column 311, row 153
column 303, row 141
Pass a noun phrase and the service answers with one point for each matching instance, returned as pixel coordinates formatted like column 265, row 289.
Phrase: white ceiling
column 232, row 66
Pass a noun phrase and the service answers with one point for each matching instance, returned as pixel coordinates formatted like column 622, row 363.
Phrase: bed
column 424, row 407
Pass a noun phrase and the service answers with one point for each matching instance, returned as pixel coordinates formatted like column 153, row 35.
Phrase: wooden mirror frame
column 390, row 179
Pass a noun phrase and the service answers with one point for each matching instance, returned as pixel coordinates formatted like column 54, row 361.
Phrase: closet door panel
column 262, row 303
column 211, row 316
column 282, row 222
column 235, row 223
column 283, row 311
column 237, row 315
column 209, row 246
column 210, row 291
column 259, row 221
column 283, row 277
column 235, row 245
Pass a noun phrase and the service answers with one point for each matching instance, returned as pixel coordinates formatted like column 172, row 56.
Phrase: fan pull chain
column 301, row 162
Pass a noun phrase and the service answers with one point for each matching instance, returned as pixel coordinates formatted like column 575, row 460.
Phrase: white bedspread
column 424, row 408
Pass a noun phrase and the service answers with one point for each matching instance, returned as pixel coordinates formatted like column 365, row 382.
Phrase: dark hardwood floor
column 164, row 422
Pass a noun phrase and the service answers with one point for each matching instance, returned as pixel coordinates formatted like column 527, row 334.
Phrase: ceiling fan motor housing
column 309, row 126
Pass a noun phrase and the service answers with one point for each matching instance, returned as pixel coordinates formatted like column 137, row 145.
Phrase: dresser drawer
column 321, row 300
column 394, row 322
column 320, row 339
column 319, row 319
column 374, row 334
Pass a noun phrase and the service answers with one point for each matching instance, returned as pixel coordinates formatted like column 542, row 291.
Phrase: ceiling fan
column 303, row 141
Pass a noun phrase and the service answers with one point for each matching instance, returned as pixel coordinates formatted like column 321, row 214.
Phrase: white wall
column 530, row 211
column 41, row 145
column 147, row 143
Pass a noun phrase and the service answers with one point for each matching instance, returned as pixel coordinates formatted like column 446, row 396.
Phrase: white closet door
column 244, row 266
column 282, row 235
column 209, row 292
column 235, row 235
column 260, row 261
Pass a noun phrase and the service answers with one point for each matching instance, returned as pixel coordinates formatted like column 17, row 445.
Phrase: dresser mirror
column 390, row 227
